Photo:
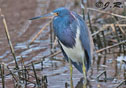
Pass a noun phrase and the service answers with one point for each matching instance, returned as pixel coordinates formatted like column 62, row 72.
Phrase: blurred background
column 42, row 64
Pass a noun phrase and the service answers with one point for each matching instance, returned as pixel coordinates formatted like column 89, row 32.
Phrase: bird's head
column 59, row 12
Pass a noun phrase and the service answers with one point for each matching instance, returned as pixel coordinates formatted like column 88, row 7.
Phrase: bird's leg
column 85, row 75
column 71, row 71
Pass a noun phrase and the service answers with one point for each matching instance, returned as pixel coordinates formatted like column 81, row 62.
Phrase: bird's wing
column 66, row 57
column 72, row 27
column 86, row 39
column 78, row 66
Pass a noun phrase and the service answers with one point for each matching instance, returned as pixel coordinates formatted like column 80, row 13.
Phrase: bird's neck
column 62, row 23
column 64, row 31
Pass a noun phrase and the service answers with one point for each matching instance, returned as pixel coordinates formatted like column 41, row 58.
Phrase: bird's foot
column 85, row 76
column 71, row 72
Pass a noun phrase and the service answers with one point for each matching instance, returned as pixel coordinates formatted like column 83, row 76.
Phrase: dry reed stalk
column 92, row 9
column 55, row 43
column 9, row 39
column 108, row 47
column 35, row 74
column 2, row 75
column 40, row 32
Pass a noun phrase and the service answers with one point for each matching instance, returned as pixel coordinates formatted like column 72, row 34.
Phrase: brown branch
column 113, row 14
column 108, row 47
column 8, row 38
column 40, row 31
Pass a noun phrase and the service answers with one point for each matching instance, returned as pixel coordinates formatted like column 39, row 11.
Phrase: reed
column 9, row 39
column 2, row 75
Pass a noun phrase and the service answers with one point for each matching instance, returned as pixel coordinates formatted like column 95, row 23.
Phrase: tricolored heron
column 73, row 36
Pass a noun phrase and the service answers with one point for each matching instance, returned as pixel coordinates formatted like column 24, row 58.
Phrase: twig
column 112, row 26
column 102, row 29
column 25, row 75
column 37, row 80
column 8, row 38
column 2, row 75
column 83, row 7
column 40, row 31
column 90, row 25
column 121, row 83
column 55, row 43
column 122, row 42
column 51, row 55
column 54, row 54
column 104, row 72
column 121, row 29
column 27, row 80
column 107, row 13
column 12, row 74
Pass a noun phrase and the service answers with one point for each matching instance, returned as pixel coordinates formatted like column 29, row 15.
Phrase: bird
column 74, row 38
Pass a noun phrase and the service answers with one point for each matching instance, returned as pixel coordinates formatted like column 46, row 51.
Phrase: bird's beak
column 46, row 16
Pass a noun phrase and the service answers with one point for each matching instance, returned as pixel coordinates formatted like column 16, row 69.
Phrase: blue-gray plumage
column 65, row 27
column 73, row 36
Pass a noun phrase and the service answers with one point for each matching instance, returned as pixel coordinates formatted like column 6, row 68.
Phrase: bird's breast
column 75, row 53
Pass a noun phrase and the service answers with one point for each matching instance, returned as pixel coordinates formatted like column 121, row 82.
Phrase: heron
column 73, row 37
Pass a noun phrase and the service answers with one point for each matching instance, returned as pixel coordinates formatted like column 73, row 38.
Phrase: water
column 57, row 72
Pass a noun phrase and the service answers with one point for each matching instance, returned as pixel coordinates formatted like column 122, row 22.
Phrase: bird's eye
column 56, row 14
